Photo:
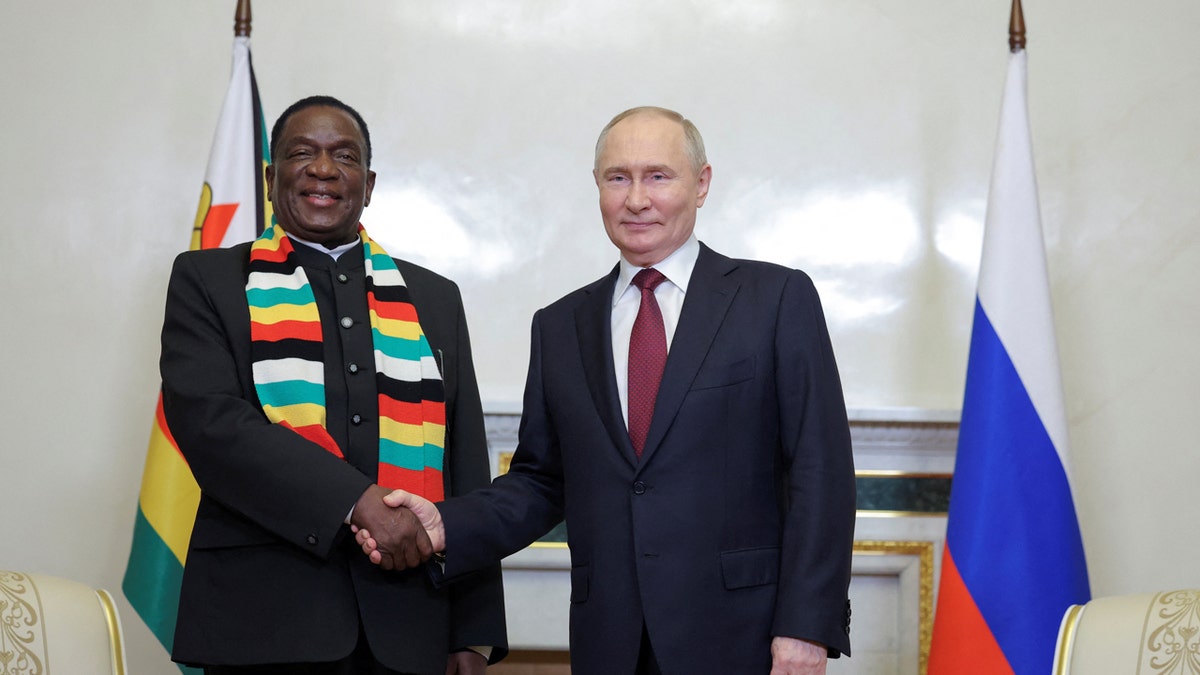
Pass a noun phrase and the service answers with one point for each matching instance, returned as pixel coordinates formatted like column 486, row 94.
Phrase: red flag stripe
column 962, row 641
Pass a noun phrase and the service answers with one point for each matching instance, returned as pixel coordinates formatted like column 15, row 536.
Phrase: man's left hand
column 790, row 656
column 466, row 662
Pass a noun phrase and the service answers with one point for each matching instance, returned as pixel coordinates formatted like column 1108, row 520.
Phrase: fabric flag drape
column 1014, row 558
column 232, row 210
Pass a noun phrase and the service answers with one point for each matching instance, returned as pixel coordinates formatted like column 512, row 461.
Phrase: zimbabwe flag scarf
column 289, row 373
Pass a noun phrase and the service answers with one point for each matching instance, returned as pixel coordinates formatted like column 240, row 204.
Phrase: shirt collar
column 334, row 253
column 677, row 268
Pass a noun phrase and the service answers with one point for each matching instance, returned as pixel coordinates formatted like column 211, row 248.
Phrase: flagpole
column 241, row 19
column 1016, row 27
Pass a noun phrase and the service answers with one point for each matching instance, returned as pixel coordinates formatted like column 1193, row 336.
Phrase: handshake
column 397, row 530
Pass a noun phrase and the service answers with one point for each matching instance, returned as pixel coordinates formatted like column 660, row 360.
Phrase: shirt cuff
column 485, row 652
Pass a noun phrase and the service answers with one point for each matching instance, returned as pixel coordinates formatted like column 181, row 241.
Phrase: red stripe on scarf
column 427, row 483
column 412, row 413
column 286, row 330
column 273, row 255
column 398, row 311
column 435, row 411
column 317, row 434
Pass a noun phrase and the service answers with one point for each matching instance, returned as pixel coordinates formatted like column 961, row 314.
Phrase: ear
column 702, row 182
column 370, row 188
column 269, row 175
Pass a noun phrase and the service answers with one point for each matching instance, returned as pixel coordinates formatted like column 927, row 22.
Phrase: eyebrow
column 345, row 144
column 653, row 168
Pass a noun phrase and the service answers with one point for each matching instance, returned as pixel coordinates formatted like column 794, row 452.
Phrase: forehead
column 322, row 123
column 644, row 139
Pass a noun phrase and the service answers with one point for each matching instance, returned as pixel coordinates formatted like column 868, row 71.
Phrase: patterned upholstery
column 1146, row 634
column 52, row 626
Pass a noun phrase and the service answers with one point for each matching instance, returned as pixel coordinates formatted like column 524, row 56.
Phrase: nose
column 637, row 199
column 322, row 166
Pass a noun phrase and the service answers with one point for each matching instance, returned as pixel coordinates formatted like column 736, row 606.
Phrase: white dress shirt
column 677, row 268
column 334, row 253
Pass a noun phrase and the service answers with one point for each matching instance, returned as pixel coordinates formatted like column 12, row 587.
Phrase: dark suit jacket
column 737, row 523
column 273, row 574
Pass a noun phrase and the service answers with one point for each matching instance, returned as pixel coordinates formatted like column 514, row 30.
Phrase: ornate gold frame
column 924, row 552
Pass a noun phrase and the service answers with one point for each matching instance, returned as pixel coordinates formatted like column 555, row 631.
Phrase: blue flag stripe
column 1012, row 526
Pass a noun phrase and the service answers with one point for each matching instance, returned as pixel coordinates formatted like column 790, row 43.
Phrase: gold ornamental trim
column 923, row 550
column 867, row 513
column 116, row 644
column 1171, row 636
column 898, row 473
column 22, row 631
column 1066, row 638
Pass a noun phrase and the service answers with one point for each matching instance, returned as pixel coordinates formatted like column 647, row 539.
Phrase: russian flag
column 1014, row 558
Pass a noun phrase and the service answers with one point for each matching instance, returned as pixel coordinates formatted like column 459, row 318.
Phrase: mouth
column 320, row 197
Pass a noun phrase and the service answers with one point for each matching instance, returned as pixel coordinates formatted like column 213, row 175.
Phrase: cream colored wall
column 852, row 139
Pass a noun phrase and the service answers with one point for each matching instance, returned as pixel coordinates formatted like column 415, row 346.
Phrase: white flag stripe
column 231, row 168
column 1014, row 288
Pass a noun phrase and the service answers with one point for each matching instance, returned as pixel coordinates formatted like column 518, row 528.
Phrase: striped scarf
column 289, row 370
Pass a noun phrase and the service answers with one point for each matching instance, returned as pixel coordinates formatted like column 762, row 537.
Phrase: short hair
column 317, row 102
column 693, row 142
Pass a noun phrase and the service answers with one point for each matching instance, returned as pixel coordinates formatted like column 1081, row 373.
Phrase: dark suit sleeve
column 267, row 474
column 819, row 496
column 477, row 601
column 521, row 505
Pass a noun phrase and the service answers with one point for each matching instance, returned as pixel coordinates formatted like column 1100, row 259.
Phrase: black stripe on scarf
column 289, row 348
column 427, row 390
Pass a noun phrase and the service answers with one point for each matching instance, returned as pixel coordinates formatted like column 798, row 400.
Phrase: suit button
column 639, row 488
column 353, row 368
column 343, row 278
column 356, row 419
column 347, row 322
column 312, row 539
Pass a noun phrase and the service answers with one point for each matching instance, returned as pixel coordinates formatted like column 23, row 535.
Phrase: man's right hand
column 400, row 538
column 425, row 511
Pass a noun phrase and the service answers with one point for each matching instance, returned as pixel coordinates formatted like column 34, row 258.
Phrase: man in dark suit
column 710, row 512
column 284, row 418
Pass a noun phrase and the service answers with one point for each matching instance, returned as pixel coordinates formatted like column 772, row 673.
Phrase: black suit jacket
column 273, row 574
column 736, row 524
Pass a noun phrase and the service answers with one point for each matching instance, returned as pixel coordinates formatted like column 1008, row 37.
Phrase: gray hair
column 693, row 143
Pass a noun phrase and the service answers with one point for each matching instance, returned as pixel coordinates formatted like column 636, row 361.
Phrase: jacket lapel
column 710, row 292
column 593, row 325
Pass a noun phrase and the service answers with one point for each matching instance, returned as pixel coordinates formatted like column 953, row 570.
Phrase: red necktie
column 647, row 357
